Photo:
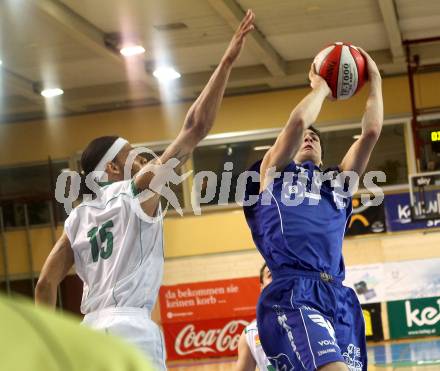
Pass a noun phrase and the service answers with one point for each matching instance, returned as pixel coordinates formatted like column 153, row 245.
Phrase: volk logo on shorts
column 321, row 321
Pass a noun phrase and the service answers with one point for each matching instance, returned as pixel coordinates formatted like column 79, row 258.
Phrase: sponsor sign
column 373, row 321
column 206, row 319
column 410, row 279
column 414, row 317
column 201, row 339
column 398, row 214
column 207, row 300
column 366, row 219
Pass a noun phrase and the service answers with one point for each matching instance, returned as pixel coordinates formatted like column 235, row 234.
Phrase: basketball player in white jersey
column 117, row 254
column 250, row 351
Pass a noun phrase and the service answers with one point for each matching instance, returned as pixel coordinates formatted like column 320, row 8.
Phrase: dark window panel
column 241, row 154
column 29, row 185
column 389, row 154
column 430, row 152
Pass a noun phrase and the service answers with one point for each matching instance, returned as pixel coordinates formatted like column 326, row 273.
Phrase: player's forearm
column 45, row 293
column 201, row 115
column 307, row 111
column 373, row 117
column 301, row 118
column 290, row 138
column 199, row 120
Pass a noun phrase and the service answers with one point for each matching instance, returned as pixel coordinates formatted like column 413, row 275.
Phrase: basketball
column 343, row 67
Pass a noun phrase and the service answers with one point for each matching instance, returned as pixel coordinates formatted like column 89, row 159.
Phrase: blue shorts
column 306, row 320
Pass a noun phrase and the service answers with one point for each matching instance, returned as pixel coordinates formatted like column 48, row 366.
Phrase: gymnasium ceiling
column 67, row 43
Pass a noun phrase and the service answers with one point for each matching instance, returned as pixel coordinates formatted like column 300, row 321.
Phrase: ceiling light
column 166, row 74
column 129, row 51
column 357, row 136
column 1, row 62
column 49, row 93
column 261, row 148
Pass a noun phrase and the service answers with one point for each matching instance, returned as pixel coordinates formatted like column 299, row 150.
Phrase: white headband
column 111, row 153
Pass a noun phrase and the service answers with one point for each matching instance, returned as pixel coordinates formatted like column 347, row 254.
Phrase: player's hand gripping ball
column 343, row 67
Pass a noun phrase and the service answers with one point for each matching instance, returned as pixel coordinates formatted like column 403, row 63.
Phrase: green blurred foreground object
column 38, row 339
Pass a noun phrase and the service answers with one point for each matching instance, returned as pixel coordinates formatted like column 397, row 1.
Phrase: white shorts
column 135, row 326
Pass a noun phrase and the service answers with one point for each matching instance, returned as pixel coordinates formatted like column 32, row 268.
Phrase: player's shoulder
column 71, row 222
column 122, row 187
column 108, row 192
column 253, row 187
column 251, row 327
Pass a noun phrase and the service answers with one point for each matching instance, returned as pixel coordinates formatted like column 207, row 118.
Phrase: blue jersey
column 298, row 222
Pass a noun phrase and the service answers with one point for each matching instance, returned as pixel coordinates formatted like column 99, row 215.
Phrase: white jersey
column 254, row 344
column 118, row 256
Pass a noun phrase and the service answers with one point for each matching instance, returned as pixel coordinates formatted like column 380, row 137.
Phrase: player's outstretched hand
column 317, row 82
column 373, row 71
column 237, row 42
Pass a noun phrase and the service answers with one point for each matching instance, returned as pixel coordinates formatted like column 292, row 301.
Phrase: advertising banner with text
column 206, row 338
column 375, row 283
column 415, row 317
column 398, row 214
column 206, row 319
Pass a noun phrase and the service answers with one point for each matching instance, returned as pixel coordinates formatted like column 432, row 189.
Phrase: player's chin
column 308, row 155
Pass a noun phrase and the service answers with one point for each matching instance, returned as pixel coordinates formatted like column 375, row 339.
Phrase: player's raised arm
column 200, row 117
column 56, row 267
column 291, row 137
column 359, row 153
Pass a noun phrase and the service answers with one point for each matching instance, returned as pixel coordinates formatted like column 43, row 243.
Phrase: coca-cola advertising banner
column 206, row 319
column 202, row 339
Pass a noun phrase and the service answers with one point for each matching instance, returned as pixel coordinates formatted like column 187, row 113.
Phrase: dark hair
column 91, row 156
column 262, row 272
column 318, row 133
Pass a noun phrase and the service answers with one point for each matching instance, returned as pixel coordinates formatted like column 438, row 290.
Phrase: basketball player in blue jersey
column 307, row 320
column 117, row 253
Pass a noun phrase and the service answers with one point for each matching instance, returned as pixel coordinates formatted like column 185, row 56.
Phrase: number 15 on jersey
column 105, row 236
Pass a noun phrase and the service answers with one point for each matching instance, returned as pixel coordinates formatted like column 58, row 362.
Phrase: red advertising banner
column 208, row 300
column 206, row 319
column 202, row 339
